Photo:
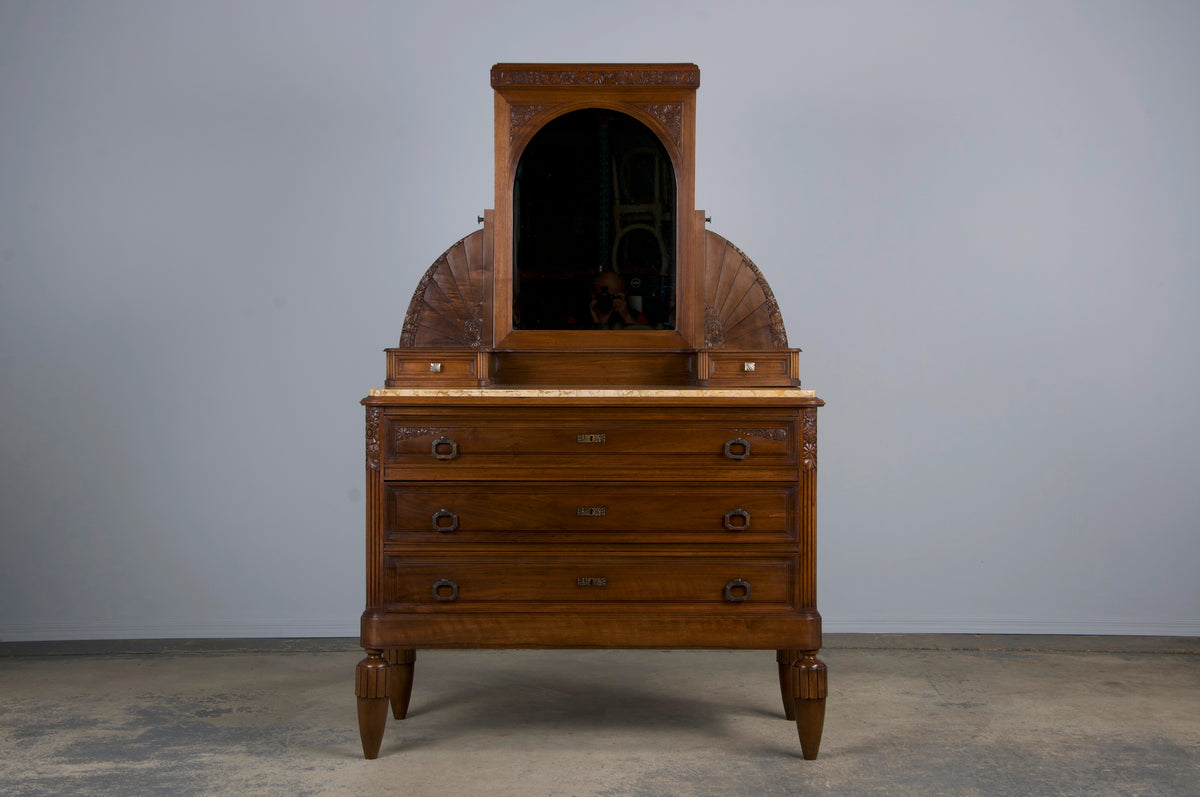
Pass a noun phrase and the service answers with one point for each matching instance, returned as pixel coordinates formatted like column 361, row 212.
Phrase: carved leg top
column 371, row 677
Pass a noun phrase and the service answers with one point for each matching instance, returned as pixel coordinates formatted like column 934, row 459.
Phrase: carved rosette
column 670, row 115
column 373, row 438
column 810, row 438
column 714, row 330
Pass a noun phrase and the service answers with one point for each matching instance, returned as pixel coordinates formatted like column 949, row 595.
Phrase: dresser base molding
column 545, row 630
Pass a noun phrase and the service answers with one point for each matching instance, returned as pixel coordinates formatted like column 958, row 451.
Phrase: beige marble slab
column 541, row 392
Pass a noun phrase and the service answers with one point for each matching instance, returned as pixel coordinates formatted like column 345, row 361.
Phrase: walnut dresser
column 594, row 438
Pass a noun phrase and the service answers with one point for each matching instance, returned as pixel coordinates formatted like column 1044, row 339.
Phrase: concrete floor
column 954, row 715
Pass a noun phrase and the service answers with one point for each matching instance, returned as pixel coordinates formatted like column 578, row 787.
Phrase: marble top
column 589, row 392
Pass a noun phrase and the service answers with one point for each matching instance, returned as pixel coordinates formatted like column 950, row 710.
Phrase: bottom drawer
column 604, row 582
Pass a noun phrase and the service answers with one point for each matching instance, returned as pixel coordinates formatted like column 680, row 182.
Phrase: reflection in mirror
column 594, row 226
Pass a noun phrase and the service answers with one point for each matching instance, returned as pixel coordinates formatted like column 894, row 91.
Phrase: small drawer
column 437, row 368
column 590, row 512
column 603, row 582
column 776, row 367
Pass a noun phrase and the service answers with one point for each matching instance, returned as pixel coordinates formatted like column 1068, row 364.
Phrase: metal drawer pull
column 446, row 583
column 737, row 443
column 738, row 597
column 443, row 514
column 739, row 512
column 447, row 442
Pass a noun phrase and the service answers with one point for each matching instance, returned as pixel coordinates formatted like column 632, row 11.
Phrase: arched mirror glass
column 594, row 226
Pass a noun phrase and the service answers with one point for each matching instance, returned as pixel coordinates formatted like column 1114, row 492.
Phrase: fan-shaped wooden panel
column 449, row 305
column 740, row 312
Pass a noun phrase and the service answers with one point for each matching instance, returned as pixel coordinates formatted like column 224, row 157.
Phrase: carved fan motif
column 740, row 312
column 448, row 305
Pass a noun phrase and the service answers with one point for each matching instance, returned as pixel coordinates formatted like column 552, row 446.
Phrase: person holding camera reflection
column 609, row 306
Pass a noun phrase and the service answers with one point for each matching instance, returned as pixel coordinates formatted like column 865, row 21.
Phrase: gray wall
column 982, row 221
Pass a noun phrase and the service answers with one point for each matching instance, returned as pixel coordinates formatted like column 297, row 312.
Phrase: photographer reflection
column 609, row 306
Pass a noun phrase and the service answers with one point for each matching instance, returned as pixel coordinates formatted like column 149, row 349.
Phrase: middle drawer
column 581, row 512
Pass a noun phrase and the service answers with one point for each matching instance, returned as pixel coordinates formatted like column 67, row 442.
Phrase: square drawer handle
column 737, row 591
column 445, row 514
column 444, row 584
column 737, row 448
column 444, row 442
column 739, row 512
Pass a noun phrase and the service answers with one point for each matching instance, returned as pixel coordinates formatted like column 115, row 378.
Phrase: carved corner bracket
column 810, row 438
column 519, row 116
column 373, row 414
column 670, row 116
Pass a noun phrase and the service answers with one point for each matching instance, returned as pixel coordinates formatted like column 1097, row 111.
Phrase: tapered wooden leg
column 785, row 659
column 810, row 685
column 400, row 663
column 371, row 686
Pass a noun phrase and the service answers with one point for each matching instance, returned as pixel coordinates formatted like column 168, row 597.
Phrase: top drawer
column 599, row 440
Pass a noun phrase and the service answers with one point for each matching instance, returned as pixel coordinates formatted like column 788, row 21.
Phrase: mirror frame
column 660, row 96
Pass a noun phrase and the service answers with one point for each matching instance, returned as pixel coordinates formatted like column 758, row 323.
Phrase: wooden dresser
column 539, row 485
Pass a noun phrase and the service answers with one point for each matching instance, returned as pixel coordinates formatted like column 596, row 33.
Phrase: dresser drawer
column 451, row 441
column 589, row 512
column 605, row 582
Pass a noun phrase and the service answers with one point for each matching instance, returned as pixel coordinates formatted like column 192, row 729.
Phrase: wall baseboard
column 833, row 643
column 215, row 630
column 981, row 625
column 832, row 625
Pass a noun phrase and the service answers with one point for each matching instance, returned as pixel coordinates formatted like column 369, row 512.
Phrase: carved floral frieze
column 597, row 76
column 774, row 433
column 714, row 330
column 402, row 433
